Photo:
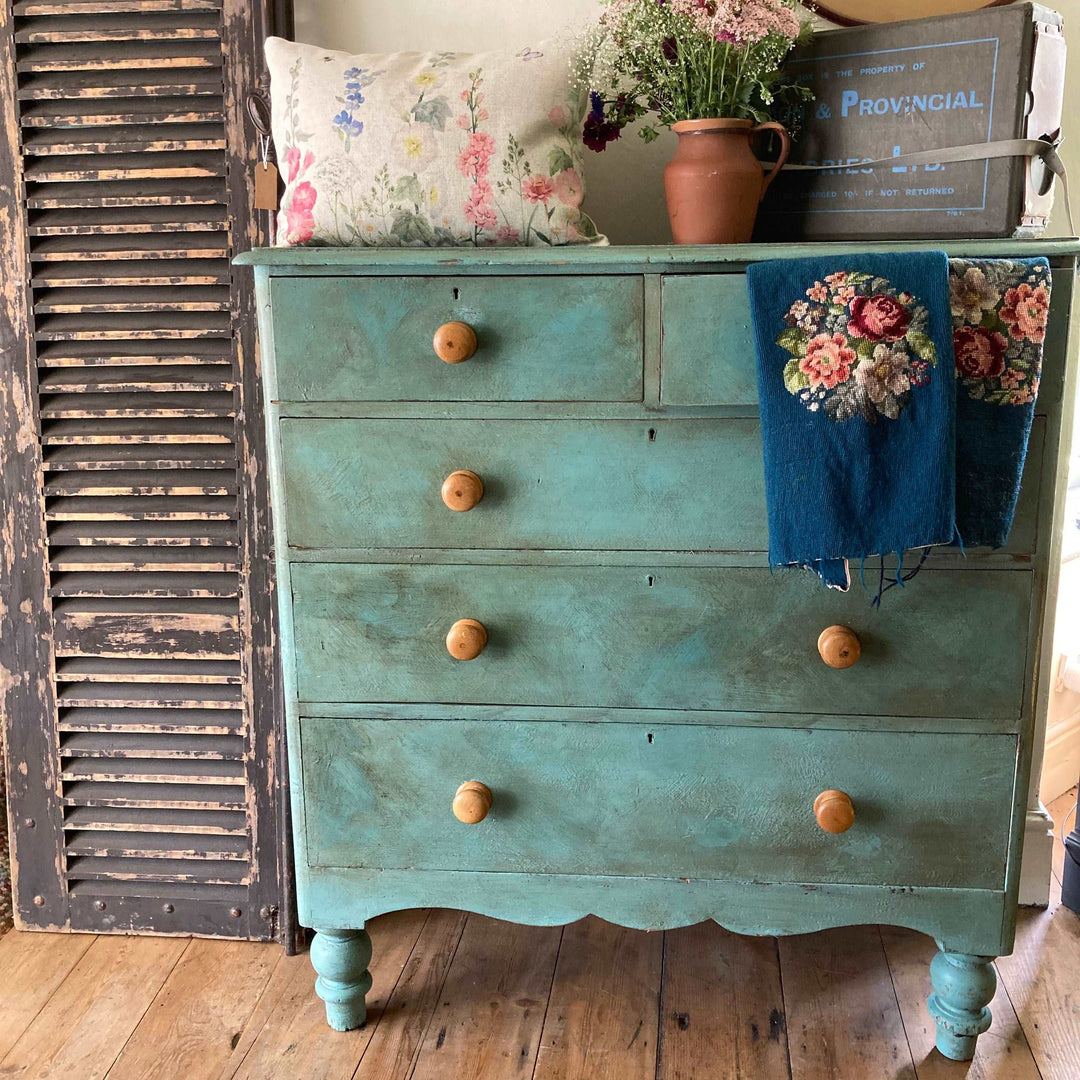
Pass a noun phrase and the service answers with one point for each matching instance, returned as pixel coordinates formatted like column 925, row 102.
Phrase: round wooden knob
column 472, row 802
column 454, row 342
column 466, row 639
column 834, row 811
column 839, row 646
column 462, row 490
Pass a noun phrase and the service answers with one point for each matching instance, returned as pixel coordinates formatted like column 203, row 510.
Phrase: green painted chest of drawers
column 645, row 723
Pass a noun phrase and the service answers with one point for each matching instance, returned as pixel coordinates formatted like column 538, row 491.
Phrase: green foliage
column 433, row 111
column 923, row 346
column 794, row 379
column 793, row 340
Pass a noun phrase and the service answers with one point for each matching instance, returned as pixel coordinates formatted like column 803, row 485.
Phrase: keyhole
column 457, row 294
column 649, row 579
column 649, row 736
column 652, row 434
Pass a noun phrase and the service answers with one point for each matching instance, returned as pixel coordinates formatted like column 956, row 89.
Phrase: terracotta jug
column 714, row 182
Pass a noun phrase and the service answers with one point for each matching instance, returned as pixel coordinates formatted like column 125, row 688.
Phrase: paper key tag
column 266, row 186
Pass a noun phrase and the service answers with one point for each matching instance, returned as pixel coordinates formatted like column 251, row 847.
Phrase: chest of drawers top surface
column 644, row 708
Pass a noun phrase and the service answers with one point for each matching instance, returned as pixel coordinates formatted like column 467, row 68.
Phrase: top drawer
column 708, row 350
column 538, row 338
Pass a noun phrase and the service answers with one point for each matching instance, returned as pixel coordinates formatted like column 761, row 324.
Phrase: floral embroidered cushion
column 428, row 149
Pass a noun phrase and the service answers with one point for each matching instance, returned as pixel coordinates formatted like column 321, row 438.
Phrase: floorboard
column 603, row 1014
column 83, row 1027
column 491, row 1010
column 843, row 1017
column 722, row 1012
column 188, row 1033
column 1042, row 979
column 32, row 968
column 395, row 1043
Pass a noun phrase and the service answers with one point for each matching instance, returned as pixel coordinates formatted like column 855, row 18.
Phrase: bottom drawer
column 665, row 801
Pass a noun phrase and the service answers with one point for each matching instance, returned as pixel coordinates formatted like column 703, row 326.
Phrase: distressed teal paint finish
column 341, row 958
column 673, row 637
column 708, row 349
column 583, row 485
column 372, row 339
column 676, row 801
column 966, row 920
column 964, row 986
column 600, row 484
column 627, row 596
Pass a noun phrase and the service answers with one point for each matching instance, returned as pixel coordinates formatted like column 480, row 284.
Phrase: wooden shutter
column 138, row 650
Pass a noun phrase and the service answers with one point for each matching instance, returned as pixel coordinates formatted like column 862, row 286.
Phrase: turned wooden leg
column 340, row 959
column 963, row 986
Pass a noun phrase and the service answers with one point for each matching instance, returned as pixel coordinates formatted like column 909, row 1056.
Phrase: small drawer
column 537, row 338
column 676, row 801
column 555, row 484
column 953, row 643
column 708, row 348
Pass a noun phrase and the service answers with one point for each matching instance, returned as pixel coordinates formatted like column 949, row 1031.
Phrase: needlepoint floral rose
column 434, row 149
column 858, row 347
column 998, row 328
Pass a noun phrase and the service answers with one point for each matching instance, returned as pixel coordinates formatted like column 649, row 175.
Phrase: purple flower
column 345, row 123
column 671, row 50
column 598, row 132
column 597, row 103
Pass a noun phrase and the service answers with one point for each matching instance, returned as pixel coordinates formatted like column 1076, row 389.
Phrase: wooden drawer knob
column 834, row 811
column 462, row 490
column 839, row 646
column 454, row 342
column 466, row 639
column 472, row 802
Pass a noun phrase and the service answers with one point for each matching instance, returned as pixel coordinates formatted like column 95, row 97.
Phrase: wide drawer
column 952, row 643
column 538, row 338
column 615, row 484
column 665, row 801
column 708, row 346
column 676, row 485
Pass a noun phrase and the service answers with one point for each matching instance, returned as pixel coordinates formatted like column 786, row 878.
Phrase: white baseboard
column 1061, row 757
column 1037, row 865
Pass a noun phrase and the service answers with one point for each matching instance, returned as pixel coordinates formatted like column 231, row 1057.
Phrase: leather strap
column 1041, row 148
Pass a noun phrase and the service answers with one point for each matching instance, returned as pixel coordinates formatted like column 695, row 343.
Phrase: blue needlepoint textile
column 1000, row 309
column 858, row 406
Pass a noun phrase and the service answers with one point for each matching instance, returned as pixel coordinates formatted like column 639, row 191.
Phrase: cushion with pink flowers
column 428, row 149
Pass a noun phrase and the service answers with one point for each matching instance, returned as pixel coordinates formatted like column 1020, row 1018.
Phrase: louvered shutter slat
column 125, row 117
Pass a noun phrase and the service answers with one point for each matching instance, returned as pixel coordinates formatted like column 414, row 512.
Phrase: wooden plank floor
column 461, row 996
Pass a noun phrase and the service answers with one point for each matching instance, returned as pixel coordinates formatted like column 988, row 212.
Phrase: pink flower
column 1022, row 397
column 827, row 361
column 464, row 122
column 473, row 160
column 569, row 188
column 557, row 116
column 507, row 234
column 980, row 353
column 845, row 295
column 299, row 219
column 537, row 188
column 1025, row 312
column 1011, row 378
column 293, row 163
column 878, row 318
column 818, row 292
column 478, row 207
column 836, row 279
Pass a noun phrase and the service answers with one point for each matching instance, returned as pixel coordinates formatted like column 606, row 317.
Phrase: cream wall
column 625, row 187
